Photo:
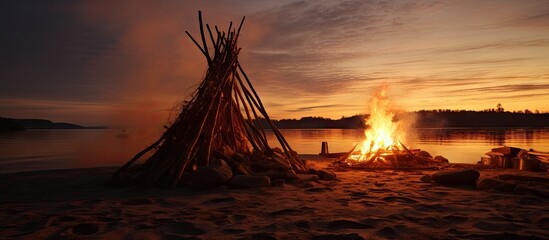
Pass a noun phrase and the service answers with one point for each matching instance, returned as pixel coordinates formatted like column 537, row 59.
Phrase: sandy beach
column 79, row 204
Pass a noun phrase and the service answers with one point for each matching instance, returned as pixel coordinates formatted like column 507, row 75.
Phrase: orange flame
column 383, row 133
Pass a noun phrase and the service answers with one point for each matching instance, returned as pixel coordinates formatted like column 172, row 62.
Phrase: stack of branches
column 223, row 115
column 392, row 157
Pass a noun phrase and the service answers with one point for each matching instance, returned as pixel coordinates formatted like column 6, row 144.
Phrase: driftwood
column 212, row 123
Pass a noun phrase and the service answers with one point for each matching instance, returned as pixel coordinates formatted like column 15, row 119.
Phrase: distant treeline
column 428, row 119
column 465, row 118
column 319, row 122
column 421, row 119
column 12, row 124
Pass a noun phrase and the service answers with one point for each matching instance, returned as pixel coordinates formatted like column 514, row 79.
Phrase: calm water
column 55, row 149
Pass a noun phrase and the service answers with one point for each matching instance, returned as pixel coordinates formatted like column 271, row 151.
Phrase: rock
column 326, row 175
column 457, row 177
column 242, row 169
column 258, row 155
column 277, row 150
column 239, row 157
column 263, row 165
column 425, row 154
column 227, row 151
column 440, row 159
column 214, row 175
column 281, row 161
column 240, row 165
column 290, row 175
column 311, row 171
column 294, row 153
column 242, row 181
column 426, row 179
column 495, row 184
column 307, row 177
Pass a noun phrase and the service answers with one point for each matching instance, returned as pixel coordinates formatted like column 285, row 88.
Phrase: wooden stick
column 347, row 155
column 204, row 38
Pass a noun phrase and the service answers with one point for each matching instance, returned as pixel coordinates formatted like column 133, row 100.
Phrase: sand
column 78, row 204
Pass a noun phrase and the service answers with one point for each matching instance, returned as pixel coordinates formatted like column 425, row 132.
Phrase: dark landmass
column 423, row 119
column 428, row 119
column 480, row 119
column 12, row 124
column 7, row 124
column 319, row 122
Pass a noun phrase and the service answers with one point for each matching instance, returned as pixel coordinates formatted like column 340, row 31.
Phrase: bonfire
column 219, row 126
column 383, row 145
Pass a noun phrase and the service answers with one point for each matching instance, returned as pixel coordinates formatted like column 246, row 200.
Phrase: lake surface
column 57, row 149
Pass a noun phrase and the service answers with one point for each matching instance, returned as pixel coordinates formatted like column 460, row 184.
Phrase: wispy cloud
column 308, row 57
column 510, row 88
column 310, row 108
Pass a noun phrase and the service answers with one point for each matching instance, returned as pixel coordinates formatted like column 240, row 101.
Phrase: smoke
column 151, row 62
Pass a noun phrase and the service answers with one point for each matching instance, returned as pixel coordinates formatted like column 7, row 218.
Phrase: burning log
column 391, row 158
column 211, row 126
column 382, row 147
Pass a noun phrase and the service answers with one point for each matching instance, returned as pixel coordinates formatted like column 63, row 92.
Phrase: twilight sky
column 103, row 62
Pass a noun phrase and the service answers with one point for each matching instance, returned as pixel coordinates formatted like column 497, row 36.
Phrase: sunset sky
column 118, row 62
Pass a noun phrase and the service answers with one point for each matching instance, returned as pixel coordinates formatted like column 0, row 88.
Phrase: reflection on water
column 463, row 145
column 498, row 136
column 55, row 149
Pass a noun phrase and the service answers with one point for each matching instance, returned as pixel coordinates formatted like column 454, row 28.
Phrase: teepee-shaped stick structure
column 222, row 116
